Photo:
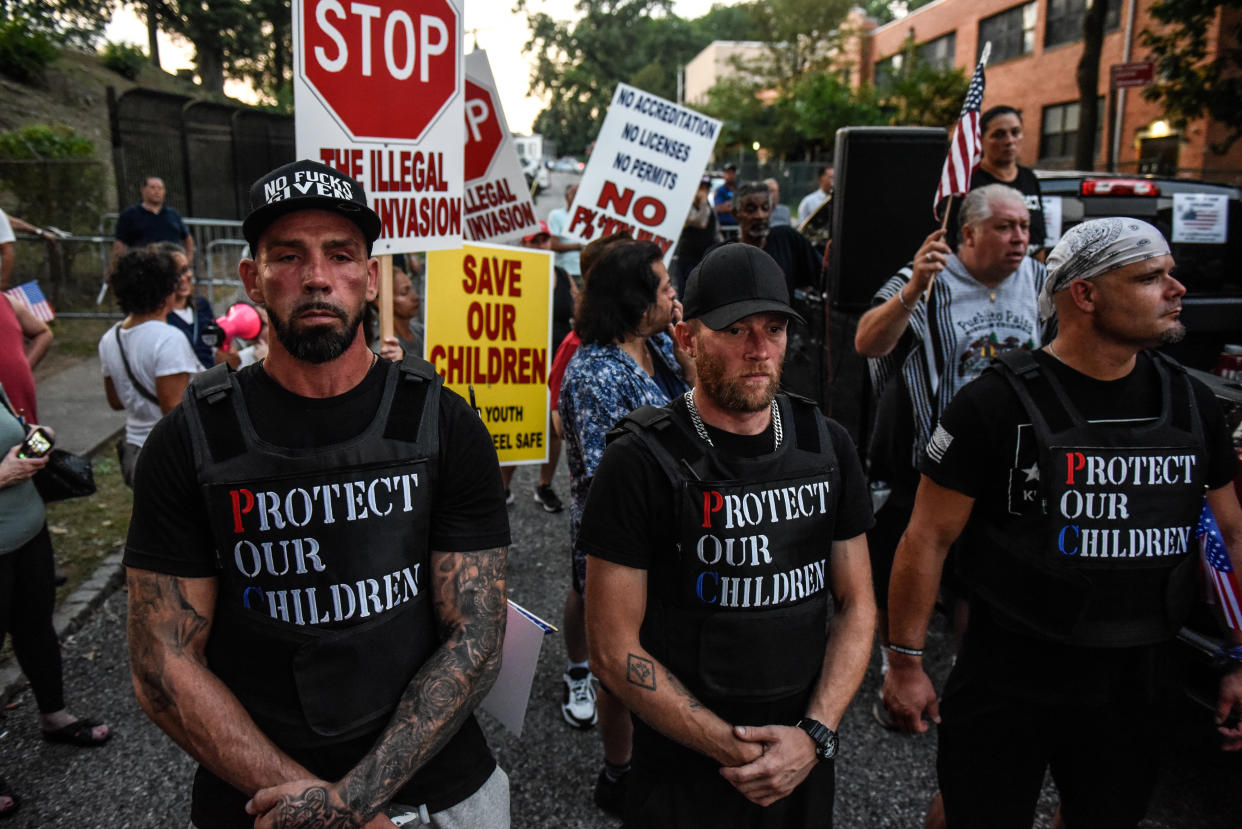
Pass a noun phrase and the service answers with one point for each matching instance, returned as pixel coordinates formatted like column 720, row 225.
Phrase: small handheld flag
column 29, row 295
column 966, row 149
column 1219, row 569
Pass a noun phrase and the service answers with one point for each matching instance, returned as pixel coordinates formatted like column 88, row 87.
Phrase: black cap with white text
column 307, row 185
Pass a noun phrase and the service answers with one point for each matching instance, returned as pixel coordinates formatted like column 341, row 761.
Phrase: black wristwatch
column 825, row 738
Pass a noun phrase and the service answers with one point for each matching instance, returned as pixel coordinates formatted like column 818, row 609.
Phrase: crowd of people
column 302, row 508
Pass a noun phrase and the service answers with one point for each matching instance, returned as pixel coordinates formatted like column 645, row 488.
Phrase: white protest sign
column 646, row 166
column 1200, row 218
column 1052, row 221
column 377, row 92
column 497, row 204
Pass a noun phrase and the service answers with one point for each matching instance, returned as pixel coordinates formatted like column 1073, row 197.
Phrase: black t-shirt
column 169, row 532
column 638, row 521
column 1026, row 183
column 984, row 441
column 796, row 256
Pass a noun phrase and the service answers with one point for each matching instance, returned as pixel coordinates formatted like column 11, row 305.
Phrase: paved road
column 141, row 779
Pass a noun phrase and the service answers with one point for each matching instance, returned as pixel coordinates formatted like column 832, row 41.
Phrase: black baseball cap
column 307, row 185
column 734, row 281
column 730, row 166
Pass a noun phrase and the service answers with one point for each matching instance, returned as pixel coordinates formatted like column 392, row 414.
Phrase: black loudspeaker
column 886, row 178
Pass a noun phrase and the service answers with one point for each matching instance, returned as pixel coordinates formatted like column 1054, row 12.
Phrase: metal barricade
column 223, row 256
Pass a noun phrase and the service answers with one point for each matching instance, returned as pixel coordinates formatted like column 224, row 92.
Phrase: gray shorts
column 489, row 806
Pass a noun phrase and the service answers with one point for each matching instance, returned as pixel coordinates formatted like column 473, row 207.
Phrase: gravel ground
column 141, row 779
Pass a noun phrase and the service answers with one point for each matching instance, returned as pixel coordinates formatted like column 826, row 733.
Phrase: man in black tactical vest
column 1075, row 476
column 316, row 558
column 717, row 529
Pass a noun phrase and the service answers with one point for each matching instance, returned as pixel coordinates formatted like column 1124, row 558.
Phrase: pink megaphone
column 240, row 321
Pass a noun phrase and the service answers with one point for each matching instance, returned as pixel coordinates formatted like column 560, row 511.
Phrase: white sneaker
column 579, row 704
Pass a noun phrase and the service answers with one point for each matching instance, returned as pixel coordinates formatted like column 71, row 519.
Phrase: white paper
column 1052, row 220
column 1200, row 218
column 508, row 698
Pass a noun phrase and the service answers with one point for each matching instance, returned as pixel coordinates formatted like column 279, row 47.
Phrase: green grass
column 78, row 337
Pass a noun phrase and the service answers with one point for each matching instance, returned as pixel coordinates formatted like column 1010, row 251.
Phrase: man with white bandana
column 933, row 327
column 1074, row 477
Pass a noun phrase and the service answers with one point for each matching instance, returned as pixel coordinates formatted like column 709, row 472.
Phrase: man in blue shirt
column 151, row 221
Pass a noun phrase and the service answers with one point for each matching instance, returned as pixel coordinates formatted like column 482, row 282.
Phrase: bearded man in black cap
column 717, row 527
column 316, row 558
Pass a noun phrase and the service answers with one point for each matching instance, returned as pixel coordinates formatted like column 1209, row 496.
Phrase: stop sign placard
column 385, row 69
column 483, row 133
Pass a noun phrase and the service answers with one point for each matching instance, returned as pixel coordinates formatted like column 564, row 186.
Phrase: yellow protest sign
column 489, row 315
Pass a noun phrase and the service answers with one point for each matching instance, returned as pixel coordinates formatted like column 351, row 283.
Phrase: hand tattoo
column 314, row 807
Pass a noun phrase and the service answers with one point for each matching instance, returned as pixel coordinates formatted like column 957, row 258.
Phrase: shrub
column 24, row 52
column 124, row 59
column 39, row 141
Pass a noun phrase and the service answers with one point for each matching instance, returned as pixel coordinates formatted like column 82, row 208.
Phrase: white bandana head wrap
column 1096, row 247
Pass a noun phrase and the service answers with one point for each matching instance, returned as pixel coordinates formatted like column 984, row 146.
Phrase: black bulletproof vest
column 1106, row 559
column 739, row 611
column 324, row 611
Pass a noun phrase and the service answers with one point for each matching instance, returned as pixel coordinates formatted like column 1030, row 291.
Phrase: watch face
column 828, row 749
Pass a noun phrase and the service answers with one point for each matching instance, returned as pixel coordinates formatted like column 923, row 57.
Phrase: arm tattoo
column 162, row 623
column 682, row 690
column 469, row 594
column 640, row 672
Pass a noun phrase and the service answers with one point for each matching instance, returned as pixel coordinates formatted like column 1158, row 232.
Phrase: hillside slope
column 74, row 92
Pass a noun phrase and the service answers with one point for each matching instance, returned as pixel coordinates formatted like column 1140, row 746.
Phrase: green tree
column 822, row 104
column 919, row 94
column 800, row 35
column 640, row 42
column 1088, row 76
column 270, row 67
column 77, row 23
column 225, row 34
column 1193, row 83
column 924, row 95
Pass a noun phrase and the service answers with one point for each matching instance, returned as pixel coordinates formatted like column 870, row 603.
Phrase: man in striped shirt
column 933, row 327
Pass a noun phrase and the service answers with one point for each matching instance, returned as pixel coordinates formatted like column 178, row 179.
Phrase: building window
column 1065, row 20
column 887, row 70
column 939, row 52
column 1059, row 129
column 1012, row 33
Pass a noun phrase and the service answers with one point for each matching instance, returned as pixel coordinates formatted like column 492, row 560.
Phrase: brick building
column 1036, row 46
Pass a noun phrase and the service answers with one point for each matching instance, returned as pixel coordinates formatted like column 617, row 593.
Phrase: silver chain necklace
column 701, row 430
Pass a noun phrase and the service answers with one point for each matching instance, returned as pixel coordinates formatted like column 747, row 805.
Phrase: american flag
column 1219, row 570
column 967, row 146
column 30, row 296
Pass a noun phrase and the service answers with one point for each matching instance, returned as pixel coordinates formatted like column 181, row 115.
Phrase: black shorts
column 994, row 750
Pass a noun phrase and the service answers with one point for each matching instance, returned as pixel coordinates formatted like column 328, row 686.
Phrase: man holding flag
column 1074, row 477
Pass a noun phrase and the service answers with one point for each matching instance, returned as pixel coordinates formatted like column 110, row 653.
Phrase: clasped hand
column 787, row 757
column 307, row 803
